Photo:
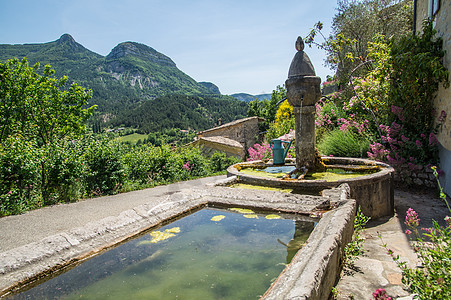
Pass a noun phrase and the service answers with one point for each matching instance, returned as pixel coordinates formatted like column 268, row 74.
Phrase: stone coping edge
column 385, row 172
column 30, row 263
column 316, row 267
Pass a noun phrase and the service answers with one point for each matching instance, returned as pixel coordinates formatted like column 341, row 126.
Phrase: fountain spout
column 303, row 91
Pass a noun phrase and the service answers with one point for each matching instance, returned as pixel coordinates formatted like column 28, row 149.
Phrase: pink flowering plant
column 381, row 294
column 402, row 145
column 412, row 69
column 334, row 113
column 259, row 152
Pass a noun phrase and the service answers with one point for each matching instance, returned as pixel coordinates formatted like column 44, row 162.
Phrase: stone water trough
column 311, row 274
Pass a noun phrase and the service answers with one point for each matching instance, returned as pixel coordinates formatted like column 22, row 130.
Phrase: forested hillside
column 181, row 111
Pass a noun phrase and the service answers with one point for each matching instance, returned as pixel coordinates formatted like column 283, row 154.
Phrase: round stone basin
column 370, row 182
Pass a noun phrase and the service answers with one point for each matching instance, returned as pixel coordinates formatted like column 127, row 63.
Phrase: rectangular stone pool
column 213, row 253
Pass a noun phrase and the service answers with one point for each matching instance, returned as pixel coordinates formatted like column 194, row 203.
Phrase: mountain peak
column 67, row 39
column 141, row 51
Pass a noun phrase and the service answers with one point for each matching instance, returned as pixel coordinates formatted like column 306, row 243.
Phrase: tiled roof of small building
column 222, row 140
column 230, row 124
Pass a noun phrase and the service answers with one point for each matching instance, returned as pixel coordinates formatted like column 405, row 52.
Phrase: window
column 434, row 6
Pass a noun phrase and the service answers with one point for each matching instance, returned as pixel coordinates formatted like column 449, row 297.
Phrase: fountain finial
column 299, row 44
column 301, row 64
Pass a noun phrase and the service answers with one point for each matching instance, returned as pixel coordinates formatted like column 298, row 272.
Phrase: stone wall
column 442, row 102
column 417, row 175
column 245, row 131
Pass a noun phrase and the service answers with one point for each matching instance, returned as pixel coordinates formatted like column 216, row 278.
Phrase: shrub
column 138, row 164
column 19, row 176
column 62, row 172
column 219, row 161
column 194, row 164
column 277, row 129
column 344, row 143
column 105, row 171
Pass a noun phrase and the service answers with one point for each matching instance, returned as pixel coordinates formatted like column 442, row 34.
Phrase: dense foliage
column 355, row 25
column 267, row 109
column 392, row 104
column 180, row 111
column 40, row 108
column 87, row 167
column 411, row 73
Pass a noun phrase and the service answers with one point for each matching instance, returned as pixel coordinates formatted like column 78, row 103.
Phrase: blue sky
column 239, row 45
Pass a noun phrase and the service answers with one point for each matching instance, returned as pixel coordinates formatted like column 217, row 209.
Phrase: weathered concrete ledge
column 374, row 192
column 315, row 268
column 29, row 263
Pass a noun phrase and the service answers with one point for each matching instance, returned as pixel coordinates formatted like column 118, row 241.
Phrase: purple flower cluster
column 331, row 118
column 351, row 123
column 378, row 152
column 398, row 111
column 323, row 118
column 329, row 82
column 187, row 166
column 412, row 219
column 397, row 148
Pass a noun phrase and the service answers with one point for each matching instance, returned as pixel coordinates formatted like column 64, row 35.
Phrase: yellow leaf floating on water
column 173, row 230
column 249, row 216
column 218, row 218
column 159, row 236
column 243, row 210
column 273, row 217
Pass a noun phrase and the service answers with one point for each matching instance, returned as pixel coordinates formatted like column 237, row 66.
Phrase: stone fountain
column 373, row 189
column 303, row 91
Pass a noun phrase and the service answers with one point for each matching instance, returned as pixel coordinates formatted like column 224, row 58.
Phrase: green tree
column 356, row 23
column 267, row 109
column 38, row 106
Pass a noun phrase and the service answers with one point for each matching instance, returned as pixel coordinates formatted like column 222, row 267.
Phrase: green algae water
column 329, row 175
column 210, row 254
column 259, row 187
column 336, row 174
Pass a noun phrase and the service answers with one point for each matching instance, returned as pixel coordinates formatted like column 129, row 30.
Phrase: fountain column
column 303, row 91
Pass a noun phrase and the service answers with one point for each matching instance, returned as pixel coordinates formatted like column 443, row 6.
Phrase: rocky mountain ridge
column 141, row 51
column 134, row 85
column 131, row 72
column 248, row 97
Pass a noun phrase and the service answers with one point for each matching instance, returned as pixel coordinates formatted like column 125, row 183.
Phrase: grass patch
column 344, row 143
column 132, row 138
